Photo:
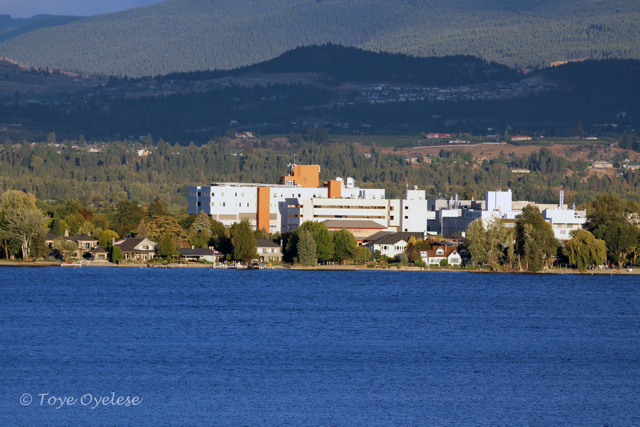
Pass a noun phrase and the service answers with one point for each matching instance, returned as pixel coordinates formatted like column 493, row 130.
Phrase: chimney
column 66, row 232
column 192, row 247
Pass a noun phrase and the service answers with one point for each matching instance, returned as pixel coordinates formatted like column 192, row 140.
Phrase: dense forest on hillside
column 35, row 23
column 187, row 35
column 347, row 64
column 117, row 173
column 594, row 92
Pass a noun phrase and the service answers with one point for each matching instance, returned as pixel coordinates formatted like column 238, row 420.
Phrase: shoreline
column 611, row 272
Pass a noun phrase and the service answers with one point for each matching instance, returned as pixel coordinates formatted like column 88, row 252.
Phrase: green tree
column 58, row 226
column 362, row 254
column 157, row 207
column 115, row 254
column 166, row 225
column 477, row 244
column 621, row 240
column 322, row 238
column 306, row 248
column 345, row 245
column 243, row 240
column 127, row 217
column 585, row 250
column 200, row 231
column 535, row 241
column 24, row 225
column 166, row 247
column 141, row 231
column 66, row 248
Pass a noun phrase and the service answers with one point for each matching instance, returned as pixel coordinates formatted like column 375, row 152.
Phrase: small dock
column 71, row 264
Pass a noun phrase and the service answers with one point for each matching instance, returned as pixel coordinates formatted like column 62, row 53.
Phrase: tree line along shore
column 611, row 236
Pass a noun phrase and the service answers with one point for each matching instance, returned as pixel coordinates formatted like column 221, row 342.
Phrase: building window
column 391, row 217
column 247, row 204
column 222, row 194
column 406, row 217
column 224, row 204
column 212, row 204
column 242, row 195
column 236, row 194
column 198, row 194
column 406, row 207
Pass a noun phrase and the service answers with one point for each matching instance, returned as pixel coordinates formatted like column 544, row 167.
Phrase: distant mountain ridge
column 35, row 23
column 187, row 35
column 349, row 64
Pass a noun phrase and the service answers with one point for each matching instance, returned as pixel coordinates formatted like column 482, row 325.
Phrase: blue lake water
column 203, row 347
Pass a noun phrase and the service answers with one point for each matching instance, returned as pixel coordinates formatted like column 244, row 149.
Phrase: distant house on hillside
column 438, row 135
column 521, row 138
column 520, row 171
column 143, row 153
column 244, row 135
column 602, row 165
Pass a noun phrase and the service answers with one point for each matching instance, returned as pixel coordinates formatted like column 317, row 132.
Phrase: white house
column 393, row 244
column 434, row 256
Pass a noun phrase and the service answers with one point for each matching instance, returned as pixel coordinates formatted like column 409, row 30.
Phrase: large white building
column 284, row 207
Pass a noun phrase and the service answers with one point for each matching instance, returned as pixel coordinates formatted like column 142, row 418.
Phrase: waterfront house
column 393, row 244
column 199, row 254
column 137, row 249
column 433, row 257
column 85, row 244
column 99, row 254
column 268, row 250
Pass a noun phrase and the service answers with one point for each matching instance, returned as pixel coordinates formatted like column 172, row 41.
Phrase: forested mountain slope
column 186, row 35
column 36, row 23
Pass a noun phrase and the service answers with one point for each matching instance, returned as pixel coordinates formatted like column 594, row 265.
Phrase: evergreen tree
column 166, row 247
column 157, row 207
column 306, row 248
column 322, row 238
column 58, row 226
column 115, row 254
column 141, row 231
